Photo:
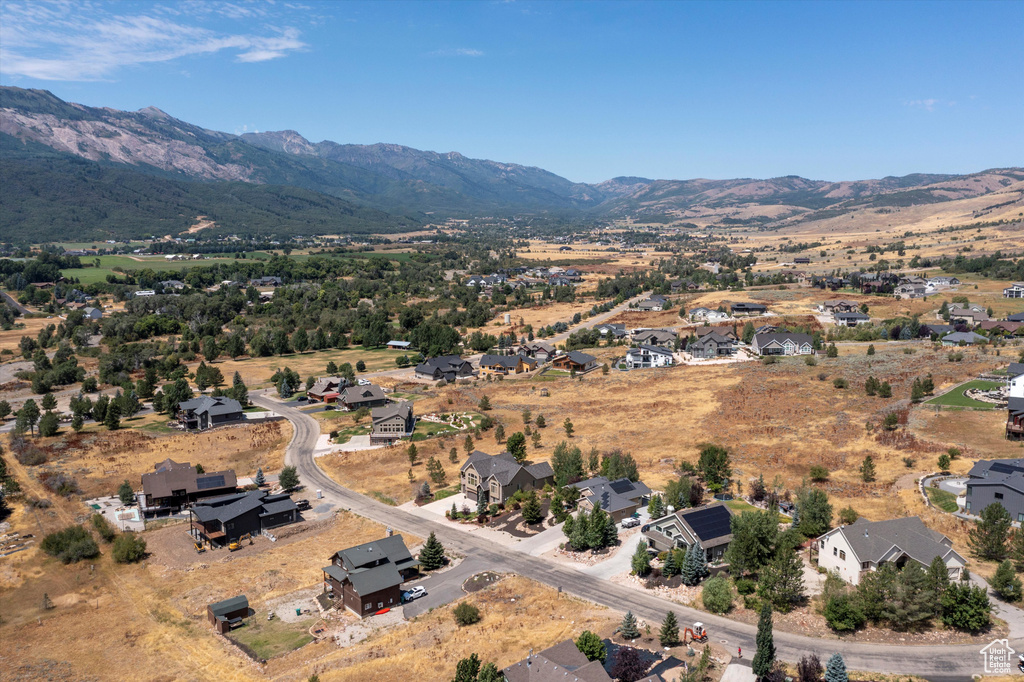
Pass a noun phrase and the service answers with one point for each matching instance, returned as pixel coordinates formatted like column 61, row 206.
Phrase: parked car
column 301, row 399
column 414, row 593
column 302, row 505
column 631, row 522
column 364, row 382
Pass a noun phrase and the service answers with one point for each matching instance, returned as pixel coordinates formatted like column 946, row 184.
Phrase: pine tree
column 413, row 454
column 1006, row 583
column 641, row 561
column 481, row 505
column 669, row 633
column 988, row 537
column 531, row 509
column 765, row 655
column 938, row 577
column 260, row 478
column 694, row 566
column 835, row 669
column 125, row 493
column 781, row 582
column 670, row 567
column 867, row 469
column 629, row 629
column 432, row 554
column 911, row 602
column 436, row 471
column 1017, row 550
column 578, row 533
column 656, row 507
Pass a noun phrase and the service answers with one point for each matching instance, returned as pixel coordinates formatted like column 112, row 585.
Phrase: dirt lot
column 100, row 460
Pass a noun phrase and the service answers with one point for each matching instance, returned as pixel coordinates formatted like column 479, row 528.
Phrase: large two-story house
column 619, row 499
column 367, row 579
column 327, row 389
column 863, row 546
column 392, row 423
column 998, row 481
column 654, row 337
column 783, row 343
column 575, row 361
column 174, row 485
column 506, row 364
column 205, row 412
column 446, row 367
column 1015, row 290
column 649, row 356
column 498, row 477
column 712, row 345
column 709, row 526
column 355, row 397
column 220, row 520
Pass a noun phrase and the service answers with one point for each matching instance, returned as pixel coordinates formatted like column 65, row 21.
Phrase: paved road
column 13, row 303
column 595, row 320
column 948, row 662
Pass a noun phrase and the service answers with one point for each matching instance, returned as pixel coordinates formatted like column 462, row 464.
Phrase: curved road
column 932, row 662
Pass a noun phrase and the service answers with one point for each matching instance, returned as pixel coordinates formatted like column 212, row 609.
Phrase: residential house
column 573, row 274
column 399, row 345
column 559, row 281
column 655, row 302
column 206, row 412
column 654, row 337
column 446, row 367
column 698, row 313
column 727, row 332
column 498, row 477
column 540, row 351
column 712, row 346
column 611, row 330
column 783, row 343
column 222, row 520
column 392, row 423
column 766, row 329
column 801, row 261
column 969, row 315
column 355, row 397
column 575, row 361
column 1015, row 290
column 1016, row 317
column 839, row 306
column 677, row 286
column 943, row 281
column 940, row 329
column 174, row 485
column 965, row 338
column 266, row 281
column 1015, row 418
column 851, row 319
column 176, row 284
column 327, row 389
column 910, row 291
column 997, row 481
column 748, row 309
column 92, row 313
column 224, row 615
column 648, row 356
column 1015, row 379
column 1003, row 327
column 506, row 364
column 367, row 579
column 709, row 526
column 561, row 663
column 620, row 499
column 863, row 546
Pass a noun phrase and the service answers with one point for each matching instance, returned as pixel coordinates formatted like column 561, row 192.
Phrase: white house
column 851, row 551
column 648, row 356
column 783, row 344
column 1015, row 379
column 1015, row 290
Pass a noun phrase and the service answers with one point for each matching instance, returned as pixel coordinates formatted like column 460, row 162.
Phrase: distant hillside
column 47, row 195
column 274, row 173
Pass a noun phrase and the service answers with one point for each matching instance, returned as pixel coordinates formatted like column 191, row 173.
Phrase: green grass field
column 425, row 429
column 739, row 506
column 943, row 499
column 269, row 638
column 956, row 397
column 108, row 263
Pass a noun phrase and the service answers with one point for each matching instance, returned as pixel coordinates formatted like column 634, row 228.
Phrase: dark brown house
column 224, row 615
column 368, row 578
column 174, row 485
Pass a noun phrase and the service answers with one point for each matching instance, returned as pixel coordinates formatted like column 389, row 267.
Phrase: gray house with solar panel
column 205, row 412
column 175, row 485
column 619, row 499
column 221, row 520
column 998, row 481
column 709, row 526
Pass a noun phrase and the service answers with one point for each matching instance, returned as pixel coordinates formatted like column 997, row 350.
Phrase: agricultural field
column 108, row 263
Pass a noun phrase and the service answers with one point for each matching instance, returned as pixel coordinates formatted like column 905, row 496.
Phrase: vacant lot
column 256, row 372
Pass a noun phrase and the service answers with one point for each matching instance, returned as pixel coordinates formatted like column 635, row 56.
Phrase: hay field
column 100, row 460
column 256, row 372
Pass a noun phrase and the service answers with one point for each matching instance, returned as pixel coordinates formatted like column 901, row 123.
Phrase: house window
column 969, row 489
column 835, row 551
column 967, row 505
column 380, row 605
column 842, row 555
column 822, row 542
column 999, row 496
column 366, row 607
column 865, row 565
column 1020, row 518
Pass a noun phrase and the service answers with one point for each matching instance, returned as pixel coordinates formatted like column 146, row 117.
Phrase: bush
column 72, row 544
column 717, row 595
column 129, row 548
column 843, row 614
column 848, row 515
column 810, row 361
column 59, row 483
column 466, row 614
column 819, row 473
column 751, row 602
column 103, row 527
column 839, row 383
column 745, row 586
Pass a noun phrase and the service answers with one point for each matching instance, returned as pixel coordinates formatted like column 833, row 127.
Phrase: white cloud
column 84, row 41
column 928, row 104
column 458, row 52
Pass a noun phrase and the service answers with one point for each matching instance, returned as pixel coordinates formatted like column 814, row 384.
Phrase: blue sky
column 826, row 90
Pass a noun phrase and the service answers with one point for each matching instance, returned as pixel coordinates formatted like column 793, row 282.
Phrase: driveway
column 931, row 662
column 443, row 588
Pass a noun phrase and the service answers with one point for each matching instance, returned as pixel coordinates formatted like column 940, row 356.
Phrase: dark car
column 302, row 505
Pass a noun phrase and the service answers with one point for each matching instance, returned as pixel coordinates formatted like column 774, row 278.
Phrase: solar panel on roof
column 710, row 523
column 207, row 482
column 1003, row 468
column 620, row 487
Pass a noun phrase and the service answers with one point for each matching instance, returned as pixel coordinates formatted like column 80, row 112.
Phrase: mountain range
column 110, row 172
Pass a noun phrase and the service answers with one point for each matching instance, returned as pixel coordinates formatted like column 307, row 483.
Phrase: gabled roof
column 228, row 507
column 1015, row 406
column 713, row 337
column 721, row 331
column 710, row 524
column 402, row 409
column 228, row 605
column 580, row 358
column 854, row 315
column 1015, row 369
column 373, row 566
column 211, row 406
column 170, row 476
column 966, row 337
column 762, row 340
column 644, row 348
column 327, row 384
column 873, row 540
column 561, row 663
column 442, row 363
column 503, row 467
column 362, row 394
column 1016, row 317
column 613, row 496
column 506, row 361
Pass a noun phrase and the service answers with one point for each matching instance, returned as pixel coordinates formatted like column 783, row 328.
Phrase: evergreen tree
column 781, row 582
column 656, row 507
column 694, row 566
column 938, row 577
column 484, row 404
column 436, row 471
column 481, row 505
column 669, row 633
column 629, row 629
column 911, row 602
column 288, row 478
column 531, row 509
column 516, row 446
column 876, row 589
column 499, row 433
column 835, row 669
column 112, row 419
column 764, row 657
column 49, row 402
column 260, row 478
column 670, row 567
column 48, row 425
column 966, row 607
column 1017, row 550
column 884, row 390
column 641, row 561
column 988, row 537
column 125, row 493
column 578, row 532
column 490, row 673
column 284, row 389
column 1005, row 582
column 591, row 646
column 432, row 554
column 815, row 512
column 569, row 428
column 468, row 669
column 412, row 453
column 867, row 469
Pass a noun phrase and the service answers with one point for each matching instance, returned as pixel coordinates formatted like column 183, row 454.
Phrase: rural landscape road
column 933, row 662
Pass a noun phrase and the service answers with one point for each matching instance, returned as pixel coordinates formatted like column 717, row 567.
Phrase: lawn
column 427, row 429
column 956, row 397
column 943, row 499
column 157, row 263
column 269, row 638
column 739, row 506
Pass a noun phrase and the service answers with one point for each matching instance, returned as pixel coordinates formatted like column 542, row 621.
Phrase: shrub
column 839, row 382
column 769, row 360
column 745, row 586
column 822, row 376
column 751, row 602
column 59, row 483
column 819, row 473
column 103, row 527
column 466, row 614
column 591, row 646
column 72, row 544
column 810, row 361
column 717, row 595
column 848, row 515
column 843, row 614
column 129, row 548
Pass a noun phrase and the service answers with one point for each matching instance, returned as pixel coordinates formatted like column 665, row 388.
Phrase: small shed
column 224, row 615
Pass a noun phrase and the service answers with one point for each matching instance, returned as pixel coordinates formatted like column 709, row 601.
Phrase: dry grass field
column 256, row 372
column 100, row 460
column 10, row 338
